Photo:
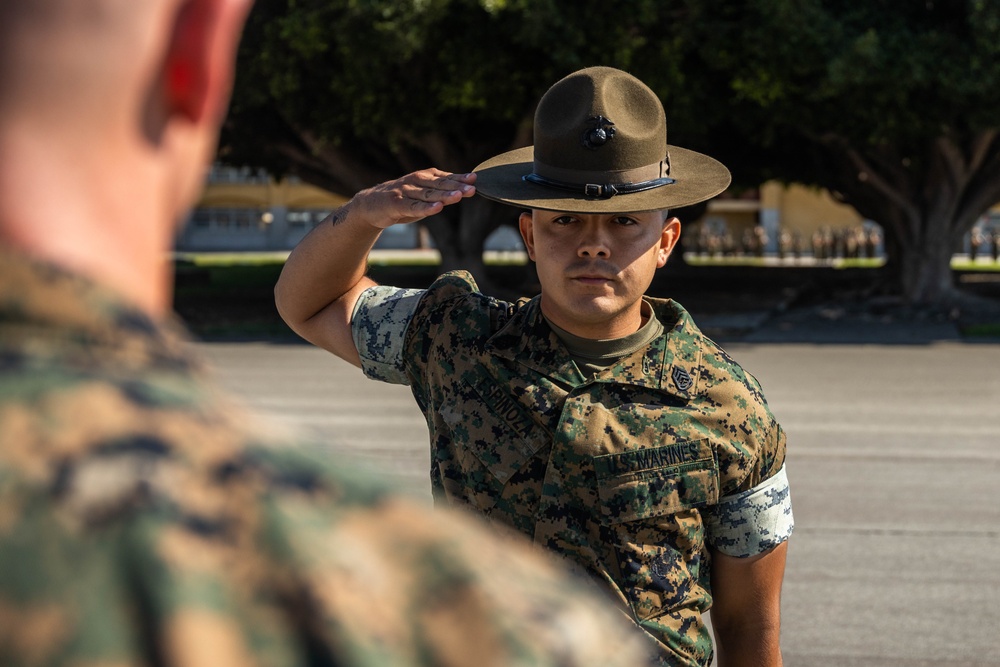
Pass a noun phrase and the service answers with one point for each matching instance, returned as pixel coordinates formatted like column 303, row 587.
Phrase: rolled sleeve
column 749, row 523
column 378, row 326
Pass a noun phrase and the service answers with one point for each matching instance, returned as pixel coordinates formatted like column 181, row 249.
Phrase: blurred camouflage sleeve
column 404, row 588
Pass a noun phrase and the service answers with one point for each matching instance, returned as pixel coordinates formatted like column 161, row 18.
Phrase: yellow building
column 244, row 209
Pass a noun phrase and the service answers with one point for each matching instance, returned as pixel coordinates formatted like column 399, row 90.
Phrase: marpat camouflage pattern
column 753, row 521
column 144, row 520
column 621, row 472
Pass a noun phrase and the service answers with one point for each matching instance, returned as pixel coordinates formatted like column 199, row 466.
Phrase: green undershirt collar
column 593, row 356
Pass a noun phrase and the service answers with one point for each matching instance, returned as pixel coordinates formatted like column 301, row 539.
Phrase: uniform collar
column 527, row 339
column 42, row 303
column 670, row 363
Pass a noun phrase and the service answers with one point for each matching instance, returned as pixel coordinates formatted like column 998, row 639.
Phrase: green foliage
column 877, row 72
column 391, row 73
column 350, row 92
column 756, row 71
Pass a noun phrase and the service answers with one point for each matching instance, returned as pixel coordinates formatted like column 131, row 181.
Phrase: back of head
column 64, row 62
column 109, row 113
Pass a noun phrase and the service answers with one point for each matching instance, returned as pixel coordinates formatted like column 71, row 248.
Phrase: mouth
column 592, row 273
column 591, row 279
column 597, row 269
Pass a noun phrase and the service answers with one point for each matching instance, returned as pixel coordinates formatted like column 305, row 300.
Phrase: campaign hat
column 600, row 146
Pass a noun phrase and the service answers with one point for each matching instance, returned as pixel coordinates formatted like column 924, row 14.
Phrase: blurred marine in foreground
column 142, row 518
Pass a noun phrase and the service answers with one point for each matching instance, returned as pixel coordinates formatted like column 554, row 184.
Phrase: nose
column 593, row 242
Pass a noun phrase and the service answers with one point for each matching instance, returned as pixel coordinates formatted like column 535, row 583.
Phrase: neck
column 601, row 327
column 80, row 217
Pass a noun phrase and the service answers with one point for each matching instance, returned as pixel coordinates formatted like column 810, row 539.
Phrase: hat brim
column 697, row 178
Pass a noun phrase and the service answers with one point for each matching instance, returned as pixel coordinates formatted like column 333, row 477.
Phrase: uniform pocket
column 657, row 481
column 649, row 502
column 488, row 423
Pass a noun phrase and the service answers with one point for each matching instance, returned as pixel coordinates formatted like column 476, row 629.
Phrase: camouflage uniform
column 143, row 521
column 630, row 473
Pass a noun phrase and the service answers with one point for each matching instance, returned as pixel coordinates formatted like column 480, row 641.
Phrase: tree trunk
column 460, row 233
column 922, row 273
column 924, row 205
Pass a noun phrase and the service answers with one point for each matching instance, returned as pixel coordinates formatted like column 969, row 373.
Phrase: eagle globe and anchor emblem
column 600, row 132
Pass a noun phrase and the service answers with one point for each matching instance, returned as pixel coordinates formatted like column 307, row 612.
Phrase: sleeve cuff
column 751, row 522
column 378, row 327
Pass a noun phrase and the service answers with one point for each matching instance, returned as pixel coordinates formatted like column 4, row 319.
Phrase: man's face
column 594, row 268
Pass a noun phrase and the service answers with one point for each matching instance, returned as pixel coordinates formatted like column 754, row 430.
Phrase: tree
column 894, row 106
column 348, row 93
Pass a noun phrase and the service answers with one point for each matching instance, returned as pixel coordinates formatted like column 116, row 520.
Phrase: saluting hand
column 410, row 198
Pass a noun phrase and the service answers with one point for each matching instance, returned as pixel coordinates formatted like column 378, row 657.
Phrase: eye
column 623, row 220
column 564, row 220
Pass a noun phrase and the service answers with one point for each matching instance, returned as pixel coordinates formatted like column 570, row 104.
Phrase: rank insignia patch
column 682, row 379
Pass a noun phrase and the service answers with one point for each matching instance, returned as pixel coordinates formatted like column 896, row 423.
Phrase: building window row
column 229, row 219
column 305, row 218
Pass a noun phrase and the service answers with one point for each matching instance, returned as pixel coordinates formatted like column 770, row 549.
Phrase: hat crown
column 600, row 119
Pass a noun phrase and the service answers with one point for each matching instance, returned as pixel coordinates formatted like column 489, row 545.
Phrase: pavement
column 894, row 459
column 828, row 325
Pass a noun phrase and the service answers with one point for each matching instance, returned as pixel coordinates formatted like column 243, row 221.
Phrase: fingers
column 414, row 196
column 432, row 185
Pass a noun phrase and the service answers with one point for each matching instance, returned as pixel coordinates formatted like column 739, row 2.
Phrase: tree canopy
column 890, row 104
column 348, row 93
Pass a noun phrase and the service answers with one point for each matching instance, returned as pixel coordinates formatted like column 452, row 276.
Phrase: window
column 299, row 219
column 228, row 219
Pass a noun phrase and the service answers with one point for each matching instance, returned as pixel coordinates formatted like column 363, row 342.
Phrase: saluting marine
column 597, row 421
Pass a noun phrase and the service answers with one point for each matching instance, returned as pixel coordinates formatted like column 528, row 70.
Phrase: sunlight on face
column 594, row 268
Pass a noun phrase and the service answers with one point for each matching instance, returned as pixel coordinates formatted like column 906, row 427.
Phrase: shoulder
column 162, row 481
column 107, row 434
column 380, row 304
column 453, row 307
column 395, row 328
column 458, row 290
column 716, row 368
column 728, row 401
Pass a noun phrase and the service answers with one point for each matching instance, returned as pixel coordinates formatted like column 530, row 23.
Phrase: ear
column 525, row 224
column 200, row 58
column 668, row 239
